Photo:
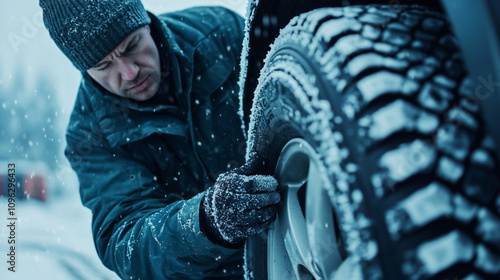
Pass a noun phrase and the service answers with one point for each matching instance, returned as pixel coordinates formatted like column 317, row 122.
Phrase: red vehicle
column 30, row 180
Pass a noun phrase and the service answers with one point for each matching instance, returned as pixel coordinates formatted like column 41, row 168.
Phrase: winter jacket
column 143, row 167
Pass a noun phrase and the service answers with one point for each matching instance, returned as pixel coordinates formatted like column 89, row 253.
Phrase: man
column 155, row 122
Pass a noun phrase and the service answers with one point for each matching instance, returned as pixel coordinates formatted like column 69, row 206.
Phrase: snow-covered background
column 38, row 87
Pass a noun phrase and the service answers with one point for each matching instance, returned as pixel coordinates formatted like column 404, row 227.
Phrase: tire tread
column 424, row 54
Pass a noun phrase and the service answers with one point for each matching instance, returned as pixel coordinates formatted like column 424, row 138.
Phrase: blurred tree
column 30, row 128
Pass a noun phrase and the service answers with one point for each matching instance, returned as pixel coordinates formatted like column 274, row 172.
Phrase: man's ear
column 149, row 28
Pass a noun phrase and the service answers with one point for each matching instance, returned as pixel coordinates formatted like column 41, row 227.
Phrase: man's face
column 132, row 69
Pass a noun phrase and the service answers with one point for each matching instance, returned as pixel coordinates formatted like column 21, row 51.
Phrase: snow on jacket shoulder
column 144, row 168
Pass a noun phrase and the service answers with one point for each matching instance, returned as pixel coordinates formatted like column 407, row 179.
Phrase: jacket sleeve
column 138, row 233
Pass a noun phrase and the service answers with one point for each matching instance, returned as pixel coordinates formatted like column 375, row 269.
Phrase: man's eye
column 103, row 66
column 131, row 47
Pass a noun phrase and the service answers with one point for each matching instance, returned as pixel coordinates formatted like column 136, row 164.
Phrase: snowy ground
column 53, row 241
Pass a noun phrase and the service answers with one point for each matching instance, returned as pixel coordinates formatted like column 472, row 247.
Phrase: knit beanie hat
column 86, row 31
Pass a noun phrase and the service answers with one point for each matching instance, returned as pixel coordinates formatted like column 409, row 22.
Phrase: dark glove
column 238, row 206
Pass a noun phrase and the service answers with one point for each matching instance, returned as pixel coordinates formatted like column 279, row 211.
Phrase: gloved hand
column 238, row 206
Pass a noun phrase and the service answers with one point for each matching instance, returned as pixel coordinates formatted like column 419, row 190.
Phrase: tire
column 381, row 118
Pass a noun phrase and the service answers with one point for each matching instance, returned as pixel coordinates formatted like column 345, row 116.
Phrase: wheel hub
column 302, row 243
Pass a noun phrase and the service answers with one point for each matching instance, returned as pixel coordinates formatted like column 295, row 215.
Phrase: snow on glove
column 239, row 206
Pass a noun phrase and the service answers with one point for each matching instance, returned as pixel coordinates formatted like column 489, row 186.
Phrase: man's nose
column 128, row 69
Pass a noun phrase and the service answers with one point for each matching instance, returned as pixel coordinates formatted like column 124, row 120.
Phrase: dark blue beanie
column 86, row 31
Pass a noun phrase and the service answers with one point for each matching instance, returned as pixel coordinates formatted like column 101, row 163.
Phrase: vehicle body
column 372, row 229
column 25, row 180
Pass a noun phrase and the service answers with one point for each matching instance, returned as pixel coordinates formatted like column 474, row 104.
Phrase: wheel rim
column 302, row 241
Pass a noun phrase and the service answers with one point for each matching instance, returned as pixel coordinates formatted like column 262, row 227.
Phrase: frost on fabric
column 128, row 243
column 239, row 206
column 100, row 16
column 171, row 229
column 150, row 222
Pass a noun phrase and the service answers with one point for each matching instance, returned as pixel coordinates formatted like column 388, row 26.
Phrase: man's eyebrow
column 132, row 40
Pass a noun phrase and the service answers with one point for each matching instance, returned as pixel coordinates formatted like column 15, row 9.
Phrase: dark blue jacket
column 143, row 167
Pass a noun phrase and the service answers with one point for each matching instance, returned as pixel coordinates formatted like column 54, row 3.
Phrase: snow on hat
column 86, row 31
